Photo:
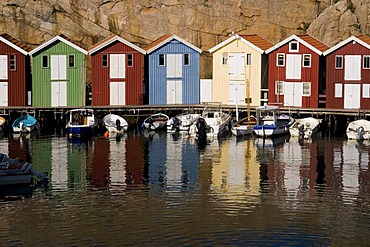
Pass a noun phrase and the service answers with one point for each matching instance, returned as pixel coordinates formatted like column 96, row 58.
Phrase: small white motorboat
column 304, row 127
column 218, row 122
column 182, row 122
column 270, row 122
column 115, row 123
column 358, row 130
column 81, row 122
column 156, row 121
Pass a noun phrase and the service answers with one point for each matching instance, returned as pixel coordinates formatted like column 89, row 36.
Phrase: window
column 161, row 59
column 71, row 61
column 338, row 62
column 45, row 61
column 279, row 88
column 186, row 59
column 280, row 59
column 366, row 62
column 248, row 59
column 338, row 90
column 105, row 60
column 306, row 60
column 224, row 58
column 366, row 91
column 12, row 62
column 306, row 89
column 130, row 60
column 293, row 46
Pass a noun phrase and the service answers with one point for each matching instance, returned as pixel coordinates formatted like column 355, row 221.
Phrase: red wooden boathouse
column 15, row 76
column 348, row 74
column 117, row 72
column 295, row 76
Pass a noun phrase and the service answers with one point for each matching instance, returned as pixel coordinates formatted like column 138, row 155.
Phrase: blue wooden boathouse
column 172, row 72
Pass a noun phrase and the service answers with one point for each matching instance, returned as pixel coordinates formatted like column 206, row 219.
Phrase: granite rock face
column 203, row 23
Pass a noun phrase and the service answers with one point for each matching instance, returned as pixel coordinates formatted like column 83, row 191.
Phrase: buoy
column 187, row 137
column 70, row 135
column 106, row 134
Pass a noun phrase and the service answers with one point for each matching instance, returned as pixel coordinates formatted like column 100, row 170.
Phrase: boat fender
column 106, row 134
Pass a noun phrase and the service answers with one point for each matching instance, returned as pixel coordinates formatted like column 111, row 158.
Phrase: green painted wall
column 41, row 77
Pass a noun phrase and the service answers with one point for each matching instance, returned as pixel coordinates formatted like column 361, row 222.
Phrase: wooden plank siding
column 134, row 75
column 312, row 74
column 19, row 79
column 41, row 77
column 334, row 75
column 157, row 74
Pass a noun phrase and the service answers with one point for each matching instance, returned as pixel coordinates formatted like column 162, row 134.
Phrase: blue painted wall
column 157, row 74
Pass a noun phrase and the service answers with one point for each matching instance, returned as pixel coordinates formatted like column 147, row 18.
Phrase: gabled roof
column 164, row 40
column 361, row 39
column 305, row 39
column 60, row 38
column 14, row 43
column 254, row 41
column 110, row 40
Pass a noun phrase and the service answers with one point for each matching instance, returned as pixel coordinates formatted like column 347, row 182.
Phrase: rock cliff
column 204, row 23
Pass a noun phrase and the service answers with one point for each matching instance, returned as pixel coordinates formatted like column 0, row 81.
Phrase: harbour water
column 166, row 189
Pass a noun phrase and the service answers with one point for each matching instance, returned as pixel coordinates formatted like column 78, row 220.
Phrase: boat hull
column 21, row 179
column 270, row 130
column 358, row 130
column 304, row 128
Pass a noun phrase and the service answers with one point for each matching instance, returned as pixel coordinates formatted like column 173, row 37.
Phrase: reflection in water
column 167, row 189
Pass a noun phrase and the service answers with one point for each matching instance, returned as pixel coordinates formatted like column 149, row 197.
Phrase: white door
column 174, row 65
column 237, row 92
column 352, row 67
column 3, row 67
column 293, row 66
column 293, row 92
column 205, row 90
column 352, row 96
column 59, row 93
column 117, row 66
column 118, row 93
column 236, row 65
column 58, row 67
column 3, row 94
column 174, row 92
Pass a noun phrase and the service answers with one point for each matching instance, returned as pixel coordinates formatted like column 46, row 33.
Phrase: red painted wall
column 309, row 74
column 100, row 76
column 17, row 79
column 337, row 75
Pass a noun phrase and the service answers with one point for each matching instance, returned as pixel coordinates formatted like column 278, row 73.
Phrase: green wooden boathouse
column 58, row 74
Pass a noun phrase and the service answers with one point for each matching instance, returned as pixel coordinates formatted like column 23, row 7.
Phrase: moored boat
column 358, row 130
column 218, row 122
column 304, row 127
column 115, row 123
column 25, row 123
column 182, row 122
column 156, row 121
column 270, row 122
column 244, row 126
column 81, row 122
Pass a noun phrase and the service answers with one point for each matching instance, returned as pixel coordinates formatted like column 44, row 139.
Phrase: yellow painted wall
column 220, row 87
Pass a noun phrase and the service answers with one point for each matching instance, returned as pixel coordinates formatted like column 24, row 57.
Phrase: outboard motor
column 202, row 128
column 118, row 125
column 301, row 131
column 175, row 123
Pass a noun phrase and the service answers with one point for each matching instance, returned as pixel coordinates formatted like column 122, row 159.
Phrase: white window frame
column 248, row 59
column 366, row 57
column 225, row 57
column 309, row 89
column 306, row 66
column 130, row 60
column 366, row 91
column 104, row 58
column 281, row 85
column 290, row 46
column 338, row 90
column 12, row 59
column 277, row 59
column 341, row 57
column 160, row 56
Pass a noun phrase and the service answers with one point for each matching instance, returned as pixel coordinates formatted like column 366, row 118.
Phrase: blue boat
column 81, row 122
column 25, row 123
